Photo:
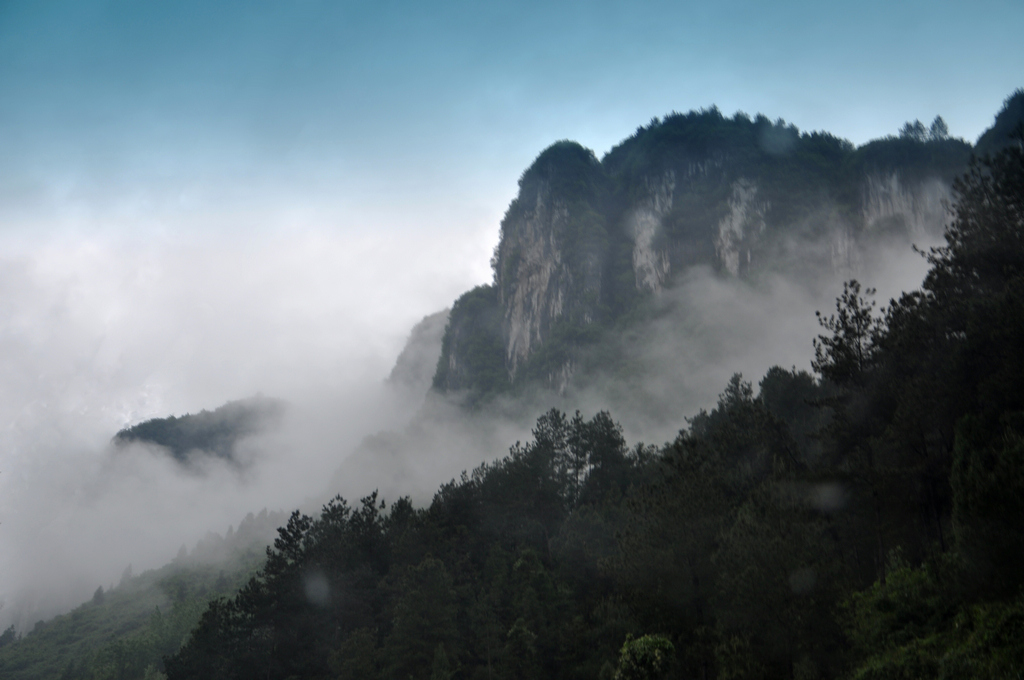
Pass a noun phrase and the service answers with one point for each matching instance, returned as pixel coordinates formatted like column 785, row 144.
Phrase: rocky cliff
column 586, row 242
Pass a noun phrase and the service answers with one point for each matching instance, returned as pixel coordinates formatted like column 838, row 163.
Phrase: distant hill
column 417, row 362
column 207, row 433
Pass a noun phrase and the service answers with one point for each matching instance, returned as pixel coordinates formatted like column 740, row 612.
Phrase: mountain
column 875, row 507
column 588, row 242
column 640, row 281
column 414, row 368
column 863, row 522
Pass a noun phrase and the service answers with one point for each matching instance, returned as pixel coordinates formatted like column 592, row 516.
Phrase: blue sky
column 418, row 115
column 376, row 145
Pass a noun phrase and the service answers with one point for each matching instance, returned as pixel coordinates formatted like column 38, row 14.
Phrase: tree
column 844, row 356
column 645, row 658
column 779, row 568
column 424, row 621
column 601, row 444
column 988, row 501
column 915, row 131
column 953, row 348
column 984, row 248
column 441, row 669
column 8, row 636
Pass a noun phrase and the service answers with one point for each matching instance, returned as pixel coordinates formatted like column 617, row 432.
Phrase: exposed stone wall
column 650, row 256
column 918, row 209
column 535, row 281
column 740, row 227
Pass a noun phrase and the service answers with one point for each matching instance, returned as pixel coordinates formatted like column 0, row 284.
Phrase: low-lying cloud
column 651, row 377
column 102, row 333
column 99, row 332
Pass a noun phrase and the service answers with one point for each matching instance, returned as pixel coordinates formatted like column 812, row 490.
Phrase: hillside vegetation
column 863, row 522
column 126, row 630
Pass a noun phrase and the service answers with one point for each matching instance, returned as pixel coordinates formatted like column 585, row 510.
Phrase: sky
column 257, row 114
column 201, row 201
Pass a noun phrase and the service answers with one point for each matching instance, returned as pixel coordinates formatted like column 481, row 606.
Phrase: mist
column 100, row 331
column 704, row 329
column 708, row 327
column 204, row 204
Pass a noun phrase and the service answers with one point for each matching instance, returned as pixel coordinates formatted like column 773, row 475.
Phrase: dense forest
column 866, row 521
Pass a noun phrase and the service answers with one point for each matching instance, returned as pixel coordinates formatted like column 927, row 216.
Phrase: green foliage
column 799, row 401
column 988, row 500
column 440, row 668
column 118, row 638
column 645, row 658
column 914, row 156
column 471, row 585
column 423, row 622
column 779, row 569
column 947, row 354
column 472, row 350
column 911, row 604
column 913, row 626
column 846, row 353
column 565, row 168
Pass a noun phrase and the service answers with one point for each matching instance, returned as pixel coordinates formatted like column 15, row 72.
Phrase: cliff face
column 891, row 204
column 585, row 241
column 651, row 263
column 740, row 228
column 549, row 266
column 472, row 348
column 535, row 280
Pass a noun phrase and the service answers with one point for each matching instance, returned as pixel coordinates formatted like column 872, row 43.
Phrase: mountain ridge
column 586, row 241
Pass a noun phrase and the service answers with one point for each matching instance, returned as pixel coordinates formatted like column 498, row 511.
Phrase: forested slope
column 127, row 628
column 865, row 522
column 207, row 433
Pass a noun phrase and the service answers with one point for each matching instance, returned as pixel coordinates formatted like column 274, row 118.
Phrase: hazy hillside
column 126, row 629
column 207, row 433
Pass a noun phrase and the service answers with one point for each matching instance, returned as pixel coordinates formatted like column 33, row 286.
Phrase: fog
column 704, row 329
column 99, row 331
column 709, row 327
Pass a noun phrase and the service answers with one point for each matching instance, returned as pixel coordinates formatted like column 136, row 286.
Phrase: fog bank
column 100, row 331
column 651, row 377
